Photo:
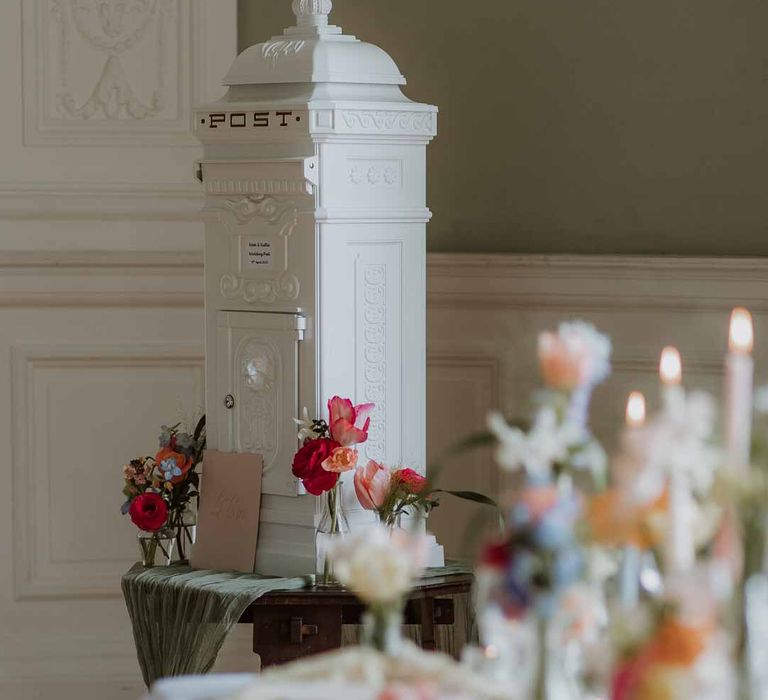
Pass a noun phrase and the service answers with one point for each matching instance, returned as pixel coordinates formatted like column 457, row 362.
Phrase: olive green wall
column 581, row 126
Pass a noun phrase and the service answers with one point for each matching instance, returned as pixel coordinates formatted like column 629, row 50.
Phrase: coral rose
column 308, row 465
column 149, row 512
column 372, row 485
column 174, row 465
column 413, row 481
column 349, row 424
column 342, row 459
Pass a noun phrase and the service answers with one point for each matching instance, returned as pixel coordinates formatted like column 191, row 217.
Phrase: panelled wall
column 99, row 349
column 101, row 337
column 484, row 313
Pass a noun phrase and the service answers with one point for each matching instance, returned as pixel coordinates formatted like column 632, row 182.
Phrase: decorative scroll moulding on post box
column 314, row 52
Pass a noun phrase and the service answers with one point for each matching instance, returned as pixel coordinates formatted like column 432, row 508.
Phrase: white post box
column 315, row 182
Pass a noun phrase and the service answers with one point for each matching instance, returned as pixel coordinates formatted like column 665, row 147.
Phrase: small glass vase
column 382, row 629
column 391, row 521
column 541, row 681
column 333, row 524
column 186, row 534
column 156, row 547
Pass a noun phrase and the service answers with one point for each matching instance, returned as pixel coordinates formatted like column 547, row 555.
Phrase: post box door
column 258, row 386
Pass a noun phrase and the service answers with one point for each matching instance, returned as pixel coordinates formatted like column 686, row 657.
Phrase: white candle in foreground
column 739, row 381
column 679, row 547
column 635, row 410
column 629, row 576
column 671, row 373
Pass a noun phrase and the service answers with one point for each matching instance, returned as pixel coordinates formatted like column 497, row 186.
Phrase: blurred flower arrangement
column 671, row 649
column 162, row 491
column 631, row 576
column 381, row 567
column 521, row 577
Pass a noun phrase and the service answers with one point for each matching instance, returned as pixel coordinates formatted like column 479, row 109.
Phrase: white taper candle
column 739, row 388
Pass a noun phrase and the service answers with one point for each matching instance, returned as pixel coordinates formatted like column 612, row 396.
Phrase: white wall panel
column 486, row 311
column 77, row 411
column 101, row 320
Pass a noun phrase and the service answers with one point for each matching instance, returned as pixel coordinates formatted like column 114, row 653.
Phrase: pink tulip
column 372, row 485
column 348, row 423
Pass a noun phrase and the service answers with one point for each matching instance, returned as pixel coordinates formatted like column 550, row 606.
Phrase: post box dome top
column 313, row 52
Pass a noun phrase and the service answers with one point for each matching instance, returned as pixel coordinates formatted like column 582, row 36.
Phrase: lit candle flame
column 742, row 335
column 635, row 410
column 671, row 367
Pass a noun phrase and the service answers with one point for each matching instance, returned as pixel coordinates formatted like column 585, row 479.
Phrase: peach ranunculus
column 373, row 483
column 348, row 423
column 342, row 459
column 678, row 644
column 577, row 355
column 614, row 521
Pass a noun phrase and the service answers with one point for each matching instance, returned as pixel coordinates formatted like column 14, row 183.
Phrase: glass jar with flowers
column 149, row 512
column 327, row 452
column 178, row 459
column 162, row 493
column 394, row 493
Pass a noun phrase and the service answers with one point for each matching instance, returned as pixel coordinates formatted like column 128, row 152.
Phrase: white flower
column 306, row 427
column 378, row 565
column 547, row 443
column 600, row 564
column 640, row 482
column 590, row 457
column 680, row 439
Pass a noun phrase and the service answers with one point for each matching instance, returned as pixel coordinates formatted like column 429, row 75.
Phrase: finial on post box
column 312, row 13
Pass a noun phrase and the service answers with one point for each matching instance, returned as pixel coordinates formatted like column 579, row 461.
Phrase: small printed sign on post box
column 257, row 254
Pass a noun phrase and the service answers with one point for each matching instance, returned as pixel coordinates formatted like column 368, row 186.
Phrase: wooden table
column 288, row 625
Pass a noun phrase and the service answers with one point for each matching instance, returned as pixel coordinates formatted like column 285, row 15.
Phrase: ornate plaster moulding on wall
column 109, row 73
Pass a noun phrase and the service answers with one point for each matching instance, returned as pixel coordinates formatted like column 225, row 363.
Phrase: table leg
column 428, row 623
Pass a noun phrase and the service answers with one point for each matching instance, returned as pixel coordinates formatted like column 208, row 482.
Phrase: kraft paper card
column 228, row 519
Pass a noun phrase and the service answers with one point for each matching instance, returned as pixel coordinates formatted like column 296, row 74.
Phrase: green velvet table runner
column 181, row 616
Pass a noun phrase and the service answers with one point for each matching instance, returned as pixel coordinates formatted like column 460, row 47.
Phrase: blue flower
column 125, row 507
column 555, row 530
column 170, row 469
column 566, row 568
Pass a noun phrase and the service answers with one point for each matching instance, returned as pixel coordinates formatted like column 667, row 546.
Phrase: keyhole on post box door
column 229, row 401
